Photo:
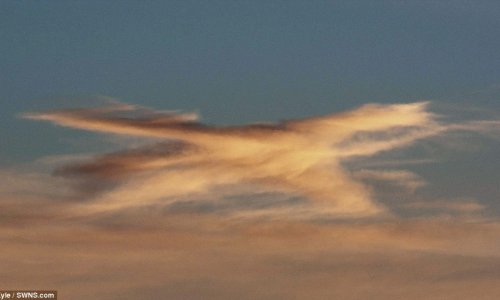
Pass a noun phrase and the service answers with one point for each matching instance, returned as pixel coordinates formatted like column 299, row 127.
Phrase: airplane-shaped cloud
column 298, row 157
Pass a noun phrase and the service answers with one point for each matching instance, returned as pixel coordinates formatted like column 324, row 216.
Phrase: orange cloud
column 297, row 157
column 123, row 242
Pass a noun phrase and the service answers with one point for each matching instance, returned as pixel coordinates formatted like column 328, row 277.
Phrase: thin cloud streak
column 402, row 178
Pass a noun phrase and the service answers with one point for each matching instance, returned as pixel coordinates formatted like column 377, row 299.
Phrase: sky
column 250, row 149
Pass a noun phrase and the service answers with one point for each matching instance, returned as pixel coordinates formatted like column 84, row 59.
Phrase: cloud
column 457, row 206
column 402, row 178
column 191, row 159
column 176, row 217
column 144, row 254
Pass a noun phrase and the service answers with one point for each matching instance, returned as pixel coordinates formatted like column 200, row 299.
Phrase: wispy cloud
column 183, row 211
column 298, row 157
column 402, row 178
column 457, row 206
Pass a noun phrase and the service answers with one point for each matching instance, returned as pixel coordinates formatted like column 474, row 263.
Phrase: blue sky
column 242, row 61
column 382, row 183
